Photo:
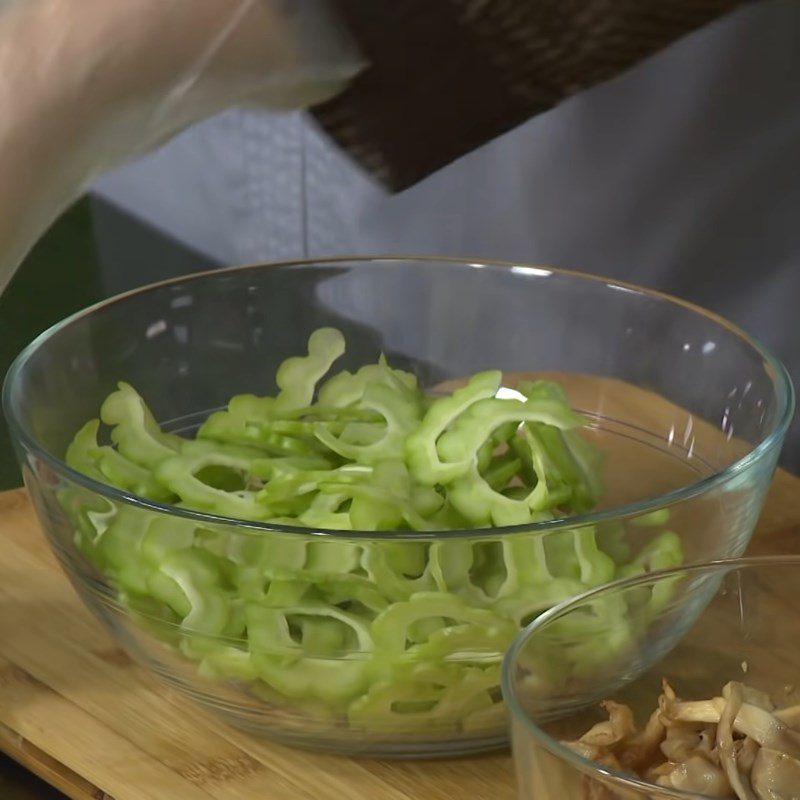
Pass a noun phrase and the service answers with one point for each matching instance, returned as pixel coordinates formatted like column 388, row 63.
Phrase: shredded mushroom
column 725, row 743
column 735, row 746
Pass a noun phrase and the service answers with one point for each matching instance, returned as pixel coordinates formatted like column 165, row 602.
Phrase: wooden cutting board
column 78, row 713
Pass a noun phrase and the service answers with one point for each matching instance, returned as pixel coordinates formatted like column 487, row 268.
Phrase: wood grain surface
column 77, row 712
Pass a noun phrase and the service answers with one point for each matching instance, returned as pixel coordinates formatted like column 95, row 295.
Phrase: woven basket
column 446, row 76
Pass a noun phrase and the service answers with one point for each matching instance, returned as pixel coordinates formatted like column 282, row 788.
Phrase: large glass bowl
column 698, row 627
column 689, row 411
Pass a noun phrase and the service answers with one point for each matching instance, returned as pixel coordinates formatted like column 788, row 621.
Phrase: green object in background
column 93, row 251
column 59, row 277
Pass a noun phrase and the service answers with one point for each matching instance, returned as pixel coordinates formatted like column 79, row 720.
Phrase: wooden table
column 79, row 714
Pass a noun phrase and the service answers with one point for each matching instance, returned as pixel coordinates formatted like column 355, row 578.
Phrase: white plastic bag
column 87, row 84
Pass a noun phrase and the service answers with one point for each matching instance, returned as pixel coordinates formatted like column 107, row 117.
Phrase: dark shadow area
column 60, row 276
column 16, row 783
column 92, row 252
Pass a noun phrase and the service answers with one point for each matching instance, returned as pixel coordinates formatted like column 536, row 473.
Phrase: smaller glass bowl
column 699, row 627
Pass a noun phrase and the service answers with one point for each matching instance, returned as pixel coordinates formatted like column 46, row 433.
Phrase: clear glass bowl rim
column 563, row 753
column 784, row 392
